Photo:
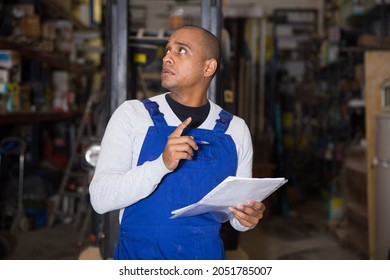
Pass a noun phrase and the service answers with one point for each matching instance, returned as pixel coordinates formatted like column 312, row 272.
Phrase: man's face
column 183, row 63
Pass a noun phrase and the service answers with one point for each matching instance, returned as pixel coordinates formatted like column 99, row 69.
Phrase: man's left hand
column 249, row 215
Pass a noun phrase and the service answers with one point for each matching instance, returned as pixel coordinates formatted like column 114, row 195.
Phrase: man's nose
column 167, row 59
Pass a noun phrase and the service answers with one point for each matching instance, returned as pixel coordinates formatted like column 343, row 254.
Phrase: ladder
column 71, row 203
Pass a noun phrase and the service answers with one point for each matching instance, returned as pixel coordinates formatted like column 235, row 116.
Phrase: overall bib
column 146, row 230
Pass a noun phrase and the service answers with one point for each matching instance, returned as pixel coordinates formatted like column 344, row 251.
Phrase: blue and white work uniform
column 146, row 232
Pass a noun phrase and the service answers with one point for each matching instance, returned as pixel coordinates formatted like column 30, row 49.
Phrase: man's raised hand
column 178, row 147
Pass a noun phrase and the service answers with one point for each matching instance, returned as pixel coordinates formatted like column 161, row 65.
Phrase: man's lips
column 167, row 71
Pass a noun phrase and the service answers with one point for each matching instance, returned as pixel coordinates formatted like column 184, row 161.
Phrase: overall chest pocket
column 190, row 186
column 194, row 178
column 204, row 153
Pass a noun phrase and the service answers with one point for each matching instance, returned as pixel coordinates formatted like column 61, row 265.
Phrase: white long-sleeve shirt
column 118, row 182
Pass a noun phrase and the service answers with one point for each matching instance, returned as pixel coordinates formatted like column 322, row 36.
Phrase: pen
column 201, row 142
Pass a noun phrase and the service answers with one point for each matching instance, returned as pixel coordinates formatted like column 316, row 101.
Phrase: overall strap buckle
column 154, row 112
column 223, row 122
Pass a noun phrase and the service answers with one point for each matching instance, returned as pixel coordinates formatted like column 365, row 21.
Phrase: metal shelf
column 50, row 58
column 30, row 117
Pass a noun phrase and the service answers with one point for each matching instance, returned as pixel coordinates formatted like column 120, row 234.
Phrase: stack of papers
column 231, row 192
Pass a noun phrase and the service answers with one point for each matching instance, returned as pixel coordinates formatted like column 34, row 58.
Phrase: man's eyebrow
column 183, row 44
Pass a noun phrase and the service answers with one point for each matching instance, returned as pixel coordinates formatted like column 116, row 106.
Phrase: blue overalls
column 146, row 232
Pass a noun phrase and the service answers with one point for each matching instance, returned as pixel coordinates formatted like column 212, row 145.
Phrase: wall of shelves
column 357, row 40
column 47, row 72
column 335, row 130
column 53, row 43
column 295, row 33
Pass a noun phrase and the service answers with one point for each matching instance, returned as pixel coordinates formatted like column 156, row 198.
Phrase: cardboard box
column 31, row 26
column 49, row 30
column 372, row 41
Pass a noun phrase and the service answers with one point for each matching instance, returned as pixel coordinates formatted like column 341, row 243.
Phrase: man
column 165, row 153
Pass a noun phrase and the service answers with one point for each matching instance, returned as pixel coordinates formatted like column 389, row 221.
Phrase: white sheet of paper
column 231, row 192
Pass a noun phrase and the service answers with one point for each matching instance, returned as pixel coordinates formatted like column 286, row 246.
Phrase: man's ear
column 211, row 67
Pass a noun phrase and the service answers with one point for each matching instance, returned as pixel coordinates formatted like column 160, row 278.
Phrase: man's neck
column 191, row 100
column 198, row 113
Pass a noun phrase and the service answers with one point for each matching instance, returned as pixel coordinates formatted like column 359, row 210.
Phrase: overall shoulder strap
column 223, row 122
column 154, row 112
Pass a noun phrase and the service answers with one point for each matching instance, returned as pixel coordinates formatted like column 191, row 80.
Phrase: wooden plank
column 377, row 71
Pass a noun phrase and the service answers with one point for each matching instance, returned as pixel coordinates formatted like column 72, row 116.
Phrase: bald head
column 210, row 43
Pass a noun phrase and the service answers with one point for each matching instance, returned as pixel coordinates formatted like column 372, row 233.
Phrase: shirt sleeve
column 244, row 147
column 117, row 181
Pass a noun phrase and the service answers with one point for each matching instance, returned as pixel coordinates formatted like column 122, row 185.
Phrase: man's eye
column 167, row 51
column 182, row 51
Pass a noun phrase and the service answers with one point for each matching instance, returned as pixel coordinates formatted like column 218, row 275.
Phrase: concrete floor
column 301, row 235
